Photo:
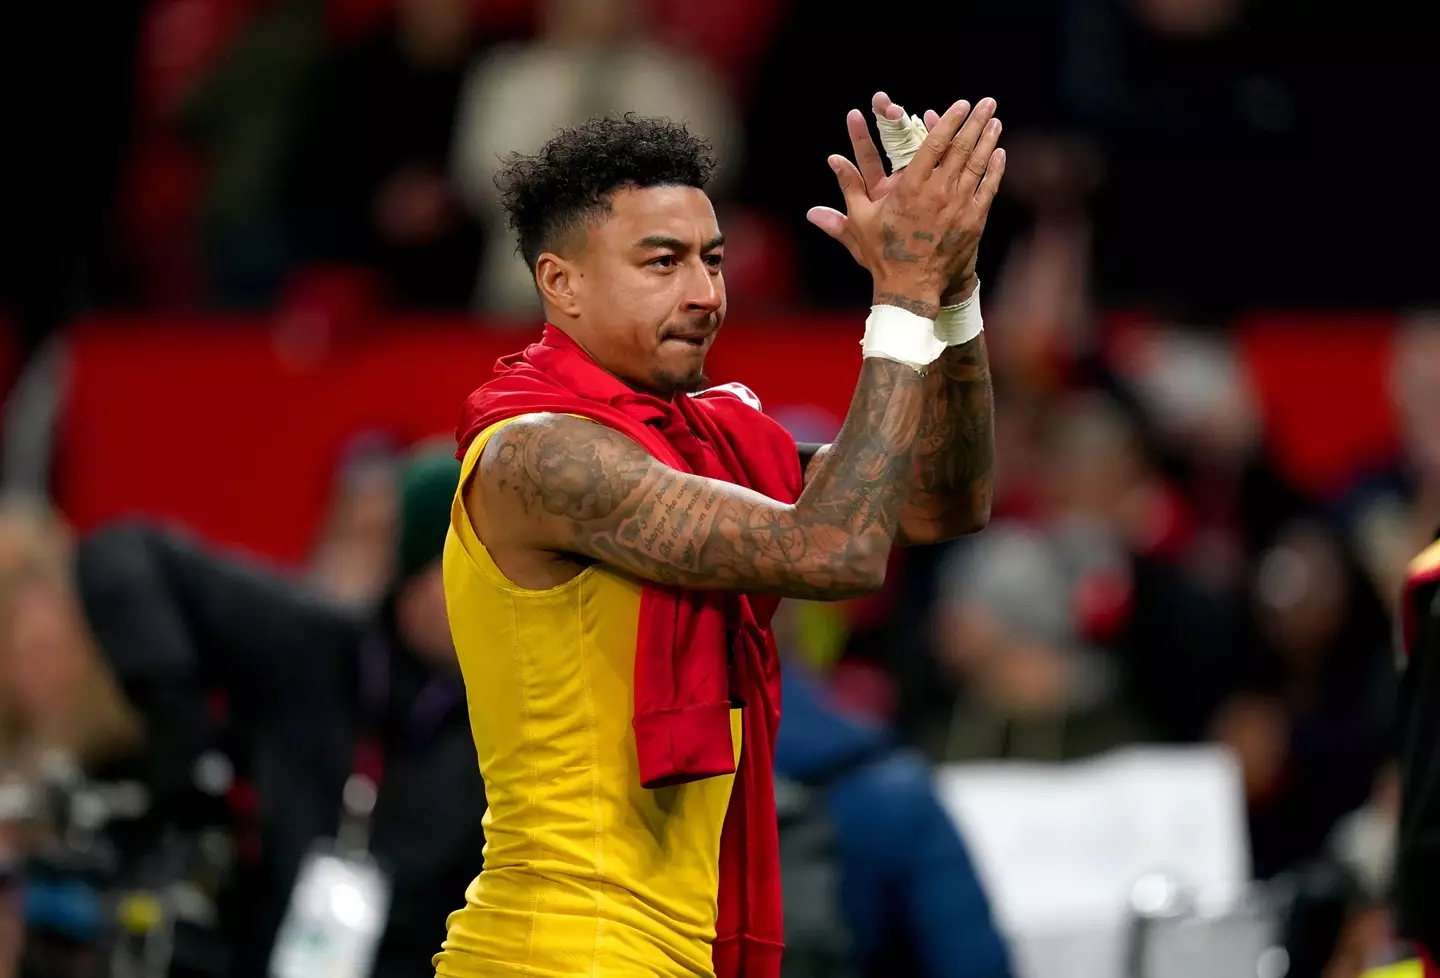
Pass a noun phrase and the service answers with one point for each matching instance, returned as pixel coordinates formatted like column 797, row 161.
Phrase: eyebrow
column 675, row 244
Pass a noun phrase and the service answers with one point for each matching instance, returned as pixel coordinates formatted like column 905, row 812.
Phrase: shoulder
column 561, row 464
column 532, row 439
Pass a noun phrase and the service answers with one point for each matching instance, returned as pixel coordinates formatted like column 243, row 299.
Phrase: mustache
column 707, row 323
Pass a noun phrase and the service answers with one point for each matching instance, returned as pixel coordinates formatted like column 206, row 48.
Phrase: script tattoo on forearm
column 953, row 484
column 608, row 499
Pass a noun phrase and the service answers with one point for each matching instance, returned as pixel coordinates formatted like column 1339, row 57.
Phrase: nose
column 705, row 289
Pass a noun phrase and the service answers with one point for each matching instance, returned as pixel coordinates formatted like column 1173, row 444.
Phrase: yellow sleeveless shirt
column 586, row 872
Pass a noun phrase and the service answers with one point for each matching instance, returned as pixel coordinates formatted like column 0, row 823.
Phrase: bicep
column 573, row 486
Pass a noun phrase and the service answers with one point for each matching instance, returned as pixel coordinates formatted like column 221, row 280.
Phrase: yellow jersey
column 586, row 873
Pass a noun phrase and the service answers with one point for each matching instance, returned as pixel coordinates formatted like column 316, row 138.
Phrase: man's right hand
column 927, row 227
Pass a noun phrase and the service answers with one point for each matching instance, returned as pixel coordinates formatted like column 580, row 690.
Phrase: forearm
column 952, row 479
column 856, row 490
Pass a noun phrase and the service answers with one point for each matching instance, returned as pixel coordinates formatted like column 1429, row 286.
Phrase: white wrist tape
column 901, row 138
column 900, row 335
column 960, row 323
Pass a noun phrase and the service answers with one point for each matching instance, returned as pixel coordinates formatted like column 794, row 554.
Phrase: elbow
column 974, row 517
column 979, row 517
column 870, row 560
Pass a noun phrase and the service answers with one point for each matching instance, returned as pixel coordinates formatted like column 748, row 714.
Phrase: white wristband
column 960, row 323
column 900, row 335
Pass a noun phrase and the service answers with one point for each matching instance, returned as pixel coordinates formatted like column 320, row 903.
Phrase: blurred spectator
column 1192, row 389
column 1173, row 639
column 1310, row 726
column 909, row 891
column 371, row 183
column 1030, row 684
column 592, row 58
column 245, row 117
column 315, row 696
column 54, row 692
column 353, row 560
column 12, row 920
column 1391, row 513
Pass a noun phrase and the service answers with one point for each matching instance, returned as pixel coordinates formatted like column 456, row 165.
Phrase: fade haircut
column 568, row 185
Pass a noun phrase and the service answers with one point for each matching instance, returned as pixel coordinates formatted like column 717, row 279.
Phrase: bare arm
column 952, row 482
column 564, row 484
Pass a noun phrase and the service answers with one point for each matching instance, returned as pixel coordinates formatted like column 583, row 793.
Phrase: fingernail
column 994, row 127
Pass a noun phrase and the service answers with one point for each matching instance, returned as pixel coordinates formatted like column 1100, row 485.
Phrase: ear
column 558, row 280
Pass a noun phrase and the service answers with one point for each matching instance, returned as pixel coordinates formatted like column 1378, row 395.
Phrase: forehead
column 684, row 213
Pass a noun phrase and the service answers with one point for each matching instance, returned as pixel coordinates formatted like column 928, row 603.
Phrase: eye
column 664, row 261
column 715, row 261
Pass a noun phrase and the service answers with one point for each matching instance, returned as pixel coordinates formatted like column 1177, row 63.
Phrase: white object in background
column 1060, row 847
column 337, row 913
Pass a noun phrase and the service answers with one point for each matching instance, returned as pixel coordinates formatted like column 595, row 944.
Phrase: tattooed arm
column 567, row 485
column 952, row 482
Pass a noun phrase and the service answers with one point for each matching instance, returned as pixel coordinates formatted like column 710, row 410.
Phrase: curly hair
column 569, row 183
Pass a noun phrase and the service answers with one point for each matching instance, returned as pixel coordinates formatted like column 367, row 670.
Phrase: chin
column 681, row 382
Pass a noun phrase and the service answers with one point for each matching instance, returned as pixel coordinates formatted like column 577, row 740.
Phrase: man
column 909, row 890
column 317, row 697
column 1417, row 864
column 619, row 543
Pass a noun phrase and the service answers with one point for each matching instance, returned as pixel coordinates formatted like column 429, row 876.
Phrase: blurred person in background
column 319, row 700
column 1389, row 513
column 1416, row 893
column 244, row 116
column 55, row 694
column 1029, row 684
column 1190, row 387
column 1173, row 639
column 354, row 558
column 592, row 58
column 12, row 913
column 910, row 895
column 371, row 183
column 1310, row 720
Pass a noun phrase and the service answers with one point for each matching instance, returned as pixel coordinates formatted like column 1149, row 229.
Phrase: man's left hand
column 877, row 184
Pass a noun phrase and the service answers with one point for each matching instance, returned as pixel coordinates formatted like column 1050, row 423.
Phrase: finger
column 932, row 118
column 829, row 220
column 990, row 186
column 835, row 224
column 867, row 157
column 852, row 185
column 882, row 104
column 933, row 149
column 963, row 142
column 974, row 168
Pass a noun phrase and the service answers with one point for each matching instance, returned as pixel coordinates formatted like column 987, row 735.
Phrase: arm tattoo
column 953, row 483
column 926, row 310
column 586, row 489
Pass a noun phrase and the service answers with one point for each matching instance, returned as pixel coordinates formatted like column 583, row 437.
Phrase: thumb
column 835, row 224
column 829, row 220
column 852, row 185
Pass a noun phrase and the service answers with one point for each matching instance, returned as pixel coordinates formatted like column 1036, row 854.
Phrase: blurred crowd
column 229, row 153
column 1152, row 573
